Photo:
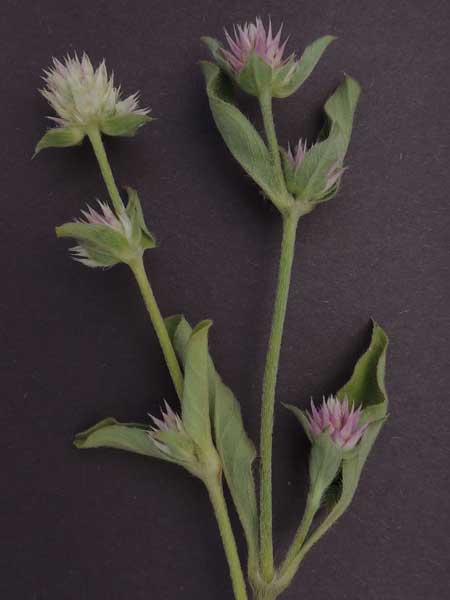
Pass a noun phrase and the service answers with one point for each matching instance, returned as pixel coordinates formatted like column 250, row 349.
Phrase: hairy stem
column 215, row 490
column 95, row 138
column 312, row 506
column 290, row 567
column 137, row 266
column 268, row 393
column 265, row 103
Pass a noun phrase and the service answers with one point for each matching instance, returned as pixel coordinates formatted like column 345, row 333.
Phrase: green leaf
column 242, row 139
column 340, row 109
column 237, row 453
column 366, row 387
column 324, row 463
column 302, row 418
column 256, row 76
column 125, row 125
column 106, row 245
column 215, row 47
column 141, row 233
column 308, row 183
column 309, row 59
column 235, row 448
column 195, row 408
column 60, row 137
column 179, row 332
column 109, row 433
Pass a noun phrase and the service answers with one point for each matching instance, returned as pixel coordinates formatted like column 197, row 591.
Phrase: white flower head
column 83, row 96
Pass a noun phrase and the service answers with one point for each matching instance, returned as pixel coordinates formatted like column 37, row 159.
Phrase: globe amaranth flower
column 170, row 437
column 253, row 37
column 84, row 97
column 341, row 421
column 312, row 174
column 105, row 238
column 255, row 58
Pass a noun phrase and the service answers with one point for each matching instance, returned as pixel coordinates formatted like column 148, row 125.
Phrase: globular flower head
column 170, row 437
column 82, row 97
column 253, row 37
column 105, row 238
column 312, row 174
column 341, row 421
column 255, row 58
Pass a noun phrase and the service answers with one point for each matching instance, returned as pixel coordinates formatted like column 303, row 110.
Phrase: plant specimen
column 206, row 434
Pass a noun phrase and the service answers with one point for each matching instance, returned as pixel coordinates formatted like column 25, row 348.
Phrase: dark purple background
column 77, row 345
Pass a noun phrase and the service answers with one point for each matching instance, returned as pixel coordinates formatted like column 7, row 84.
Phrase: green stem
column 265, row 103
column 268, row 394
column 312, row 506
column 215, row 490
column 95, row 138
column 137, row 266
column 290, row 567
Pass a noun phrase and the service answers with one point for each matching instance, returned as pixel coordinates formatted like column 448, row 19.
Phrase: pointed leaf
column 140, row 230
column 60, row 137
column 125, row 125
column 340, row 109
column 195, row 409
column 237, row 453
column 215, row 47
column 235, row 448
column 366, row 386
column 109, row 433
column 309, row 59
column 324, row 463
column 302, row 418
column 179, row 332
column 242, row 139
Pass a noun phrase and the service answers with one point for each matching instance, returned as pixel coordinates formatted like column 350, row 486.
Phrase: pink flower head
column 170, row 421
column 253, row 37
column 297, row 155
column 341, row 421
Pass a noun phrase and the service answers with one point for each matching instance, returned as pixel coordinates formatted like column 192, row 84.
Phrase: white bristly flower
column 86, row 102
column 80, row 94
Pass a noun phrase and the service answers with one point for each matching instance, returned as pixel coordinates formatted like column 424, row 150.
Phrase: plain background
column 77, row 346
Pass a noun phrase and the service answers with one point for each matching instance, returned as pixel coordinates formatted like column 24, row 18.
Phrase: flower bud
column 105, row 238
column 170, row 437
column 84, row 97
column 312, row 175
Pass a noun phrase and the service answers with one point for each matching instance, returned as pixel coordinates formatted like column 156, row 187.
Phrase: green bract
column 105, row 239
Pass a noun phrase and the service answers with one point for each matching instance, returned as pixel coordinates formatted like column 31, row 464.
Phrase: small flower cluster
column 170, row 422
column 297, row 157
column 253, row 37
column 341, row 421
column 80, row 94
